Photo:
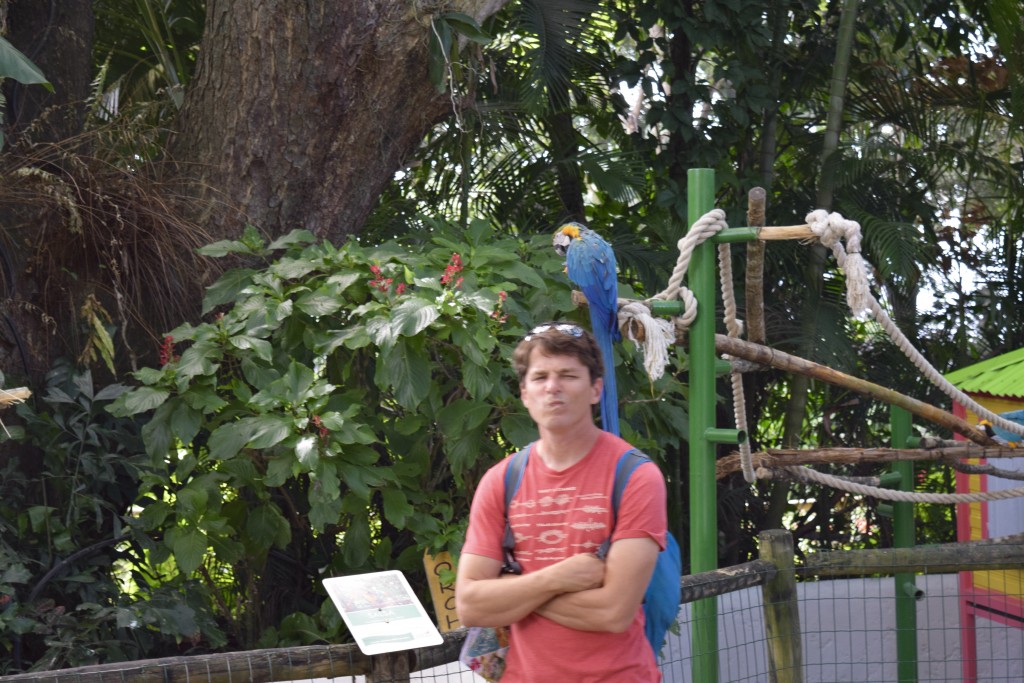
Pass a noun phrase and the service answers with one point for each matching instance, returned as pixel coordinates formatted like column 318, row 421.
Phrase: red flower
column 320, row 427
column 167, row 350
column 451, row 270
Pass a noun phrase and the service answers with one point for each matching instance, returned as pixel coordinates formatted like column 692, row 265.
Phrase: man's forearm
column 502, row 601
column 592, row 610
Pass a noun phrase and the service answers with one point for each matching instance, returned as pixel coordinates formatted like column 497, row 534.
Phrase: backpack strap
column 628, row 462
column 513, row 478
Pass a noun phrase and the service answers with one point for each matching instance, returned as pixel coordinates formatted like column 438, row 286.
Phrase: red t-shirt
column 555, row 515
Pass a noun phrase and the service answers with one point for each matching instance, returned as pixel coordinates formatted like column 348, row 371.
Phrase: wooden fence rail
column 775, row 572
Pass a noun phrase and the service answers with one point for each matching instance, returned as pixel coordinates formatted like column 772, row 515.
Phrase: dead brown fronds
column 87, row 218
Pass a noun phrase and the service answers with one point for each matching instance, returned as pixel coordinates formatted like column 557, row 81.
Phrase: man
column 574, row 617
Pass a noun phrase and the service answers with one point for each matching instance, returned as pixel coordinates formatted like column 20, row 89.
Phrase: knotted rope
column 659, row 335
column 832, row 229
column 843, row 237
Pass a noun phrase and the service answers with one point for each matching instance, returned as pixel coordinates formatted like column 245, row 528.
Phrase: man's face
column 557, row 391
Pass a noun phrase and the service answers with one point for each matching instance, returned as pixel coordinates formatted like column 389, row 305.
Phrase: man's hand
column 577, row 573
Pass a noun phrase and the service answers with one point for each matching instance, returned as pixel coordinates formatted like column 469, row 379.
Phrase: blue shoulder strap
column 513, row 478
column 628, row 462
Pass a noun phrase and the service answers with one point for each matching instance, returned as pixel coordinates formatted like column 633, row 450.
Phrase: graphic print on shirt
column 559, row 523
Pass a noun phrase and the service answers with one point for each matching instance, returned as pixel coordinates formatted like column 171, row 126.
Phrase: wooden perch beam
column 772, row 458
column 779, row 360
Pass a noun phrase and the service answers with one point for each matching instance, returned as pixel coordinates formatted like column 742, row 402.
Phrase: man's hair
column 559, row 338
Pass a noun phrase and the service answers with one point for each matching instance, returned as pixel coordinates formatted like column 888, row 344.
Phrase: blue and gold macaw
column 1004, row 436
column 590, row 264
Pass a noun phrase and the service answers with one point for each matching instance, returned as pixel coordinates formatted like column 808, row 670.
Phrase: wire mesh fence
column 847, row 628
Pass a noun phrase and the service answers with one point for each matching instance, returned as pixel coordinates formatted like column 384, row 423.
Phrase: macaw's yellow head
column 564, row 237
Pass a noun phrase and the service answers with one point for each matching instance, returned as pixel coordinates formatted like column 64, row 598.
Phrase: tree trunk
column 57, row 36
column 301, row 113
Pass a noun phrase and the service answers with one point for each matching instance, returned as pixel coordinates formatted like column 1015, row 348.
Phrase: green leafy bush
column 331, row 416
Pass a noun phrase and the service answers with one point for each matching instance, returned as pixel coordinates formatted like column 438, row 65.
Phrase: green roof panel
column 999, row 376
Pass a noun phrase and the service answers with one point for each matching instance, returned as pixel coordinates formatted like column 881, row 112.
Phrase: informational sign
column 443, row 595
column 382, row 612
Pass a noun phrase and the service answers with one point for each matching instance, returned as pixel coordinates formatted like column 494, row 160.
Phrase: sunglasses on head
column 564, row 328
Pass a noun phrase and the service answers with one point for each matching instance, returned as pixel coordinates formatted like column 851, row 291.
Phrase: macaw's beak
column 561, row 242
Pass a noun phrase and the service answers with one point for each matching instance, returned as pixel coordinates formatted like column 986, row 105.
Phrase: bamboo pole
column 786, row 232
column 764, row 355
column 754, row 276
column 1002, row 553
column 781, row 611
column 782, row 457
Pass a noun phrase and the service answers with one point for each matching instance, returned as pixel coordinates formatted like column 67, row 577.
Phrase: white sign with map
column 382, row 612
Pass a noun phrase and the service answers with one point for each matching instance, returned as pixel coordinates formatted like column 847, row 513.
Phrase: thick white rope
column 734, row 327
column 831, row 229
column 659, row 334
column 807, row 475
column 658, row 338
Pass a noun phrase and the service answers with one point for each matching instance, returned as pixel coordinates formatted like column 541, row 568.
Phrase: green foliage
column 445, row 32
column 15, row 65
column 334, row 413
column 73, row 586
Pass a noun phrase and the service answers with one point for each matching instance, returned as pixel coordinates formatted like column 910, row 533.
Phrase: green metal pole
column 703, row 503
column 903, row 537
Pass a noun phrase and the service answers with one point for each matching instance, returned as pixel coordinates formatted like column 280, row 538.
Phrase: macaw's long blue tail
column 605, row 335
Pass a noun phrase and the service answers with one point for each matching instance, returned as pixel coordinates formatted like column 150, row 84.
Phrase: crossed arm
column 580, row 592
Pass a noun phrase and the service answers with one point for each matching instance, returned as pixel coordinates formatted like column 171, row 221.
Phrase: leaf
column 323, row 301
column 156, row 434
column 227, row 288
column 110, row 392
column 479, row 381
column 396, row 507
column 189, row 546
column 299, row 236
column 462, row 452
column 524, row 273
column 191, row 501
column 224, row 248
column 154, row 514
column 266, row 526
column 279, row 470
column 463, row 415
column 270, row 431
column 408, row 374
column 519, row 429
column 439, row 49
column 15, row 65
column 184, row 421
column 293, row 268
column 262, row 347
column 196, row 360
column 307, row 453
column 356, row 548
column 138, row 400
column 413, row 316
column 228, row 439
column 203, row 399
column 467, row 26
column 16, row 574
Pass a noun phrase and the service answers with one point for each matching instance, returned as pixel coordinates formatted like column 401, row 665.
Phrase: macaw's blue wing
column 590, row 264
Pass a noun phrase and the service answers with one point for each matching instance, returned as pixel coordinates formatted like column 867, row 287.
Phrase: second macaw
column 1004, row 436
column 590, row 264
